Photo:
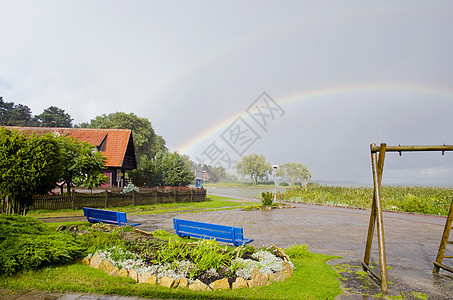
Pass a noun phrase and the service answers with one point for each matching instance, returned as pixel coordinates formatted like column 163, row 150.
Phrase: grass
column 312, row 279
column 212, row 202
column 427, row 200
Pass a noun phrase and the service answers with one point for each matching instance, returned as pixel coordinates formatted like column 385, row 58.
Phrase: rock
column 123, row 273
column 279, row 252
column 85, row 261
column 61, row 227
column 142, row 277
column 95, row 261
column 176, row 283
column 221, row 284
column 279, row 276
column 258, row 279
column 114, row 272
column 133, row 274
column 151, row 280
column 239, row 283
column 199, row 286
column 286, row 268
column 73, row 228
column 183, row 283
column 106, row 266
column 166, row 281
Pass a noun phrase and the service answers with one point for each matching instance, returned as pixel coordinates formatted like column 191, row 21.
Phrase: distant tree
column 55, row 117
column 147, row 143
column 255, row 166
column 165, row 169
column 15, row 115
column 82, row 163
column 215, row 173
column 294, row 171
column 28, row 166
column 5, row 111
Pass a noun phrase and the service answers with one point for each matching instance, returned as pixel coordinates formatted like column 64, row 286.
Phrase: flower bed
column 204, row 265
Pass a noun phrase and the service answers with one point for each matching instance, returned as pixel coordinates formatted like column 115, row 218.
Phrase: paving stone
column 70, row 296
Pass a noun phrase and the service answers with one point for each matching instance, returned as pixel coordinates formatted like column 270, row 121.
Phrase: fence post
column 133, row 198
column 106, row 199
column 73, row 198
column 174, row 199
column 155, row 195
column 191, row 195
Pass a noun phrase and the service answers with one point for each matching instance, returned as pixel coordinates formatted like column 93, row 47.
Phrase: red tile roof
column 111, row 142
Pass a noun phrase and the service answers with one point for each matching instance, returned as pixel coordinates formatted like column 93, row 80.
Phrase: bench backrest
column 108, row 215
column 221, row 233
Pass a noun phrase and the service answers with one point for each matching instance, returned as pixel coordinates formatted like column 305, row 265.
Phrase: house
column 117, row 146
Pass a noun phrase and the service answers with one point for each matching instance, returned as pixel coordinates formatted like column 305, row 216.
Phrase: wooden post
column 106, row 199
column 380, row 224
column 73, row 200
column 133, row 197
column 372, row 224
column 443, row 242
column 376, row 216
column 191, row 195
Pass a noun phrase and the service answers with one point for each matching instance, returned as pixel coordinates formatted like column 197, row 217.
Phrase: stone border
column 258, row 278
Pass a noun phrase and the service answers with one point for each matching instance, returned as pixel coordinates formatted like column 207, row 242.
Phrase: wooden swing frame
column 377, row 164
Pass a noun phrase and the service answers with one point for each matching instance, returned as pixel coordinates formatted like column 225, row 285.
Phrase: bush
column 98, row 240
column 267, row 198
column 283, row 184
column 16, row 225
column 129, row 188
column 298, row 251
column 27, row 243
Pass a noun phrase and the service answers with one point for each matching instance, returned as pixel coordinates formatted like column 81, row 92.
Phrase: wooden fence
column 105, row 199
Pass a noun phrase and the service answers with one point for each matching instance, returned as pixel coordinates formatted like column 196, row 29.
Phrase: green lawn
column 212, row 202
column 312, row 279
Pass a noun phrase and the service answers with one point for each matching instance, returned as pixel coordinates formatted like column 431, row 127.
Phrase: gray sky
column 342, row 75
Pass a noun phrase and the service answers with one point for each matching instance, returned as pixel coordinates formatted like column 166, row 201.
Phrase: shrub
column 298, row 251
column 129, row 188
column 267, row 198
column 27, row 243
column 206, row 254
column 98, row 240
column 13, row 225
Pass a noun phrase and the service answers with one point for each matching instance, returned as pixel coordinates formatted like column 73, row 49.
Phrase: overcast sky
column 338, row 76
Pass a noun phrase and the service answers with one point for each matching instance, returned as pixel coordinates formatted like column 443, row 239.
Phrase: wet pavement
column 411, row 241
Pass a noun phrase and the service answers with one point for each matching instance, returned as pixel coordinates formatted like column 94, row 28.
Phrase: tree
column 255, row 166
column 15, row 115
column 83, row 165
column 294, row 171
column 216, row 174
column 28, row 166
column 55, row 117
column 147, row 143
column 165, row 169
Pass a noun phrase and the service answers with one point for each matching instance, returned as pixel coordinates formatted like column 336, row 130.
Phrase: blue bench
column 221, row 233
column 106, row 216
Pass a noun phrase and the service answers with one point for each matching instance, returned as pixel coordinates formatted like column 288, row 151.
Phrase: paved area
column 411, row 244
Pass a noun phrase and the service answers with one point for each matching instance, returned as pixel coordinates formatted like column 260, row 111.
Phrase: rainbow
column 216, row 129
